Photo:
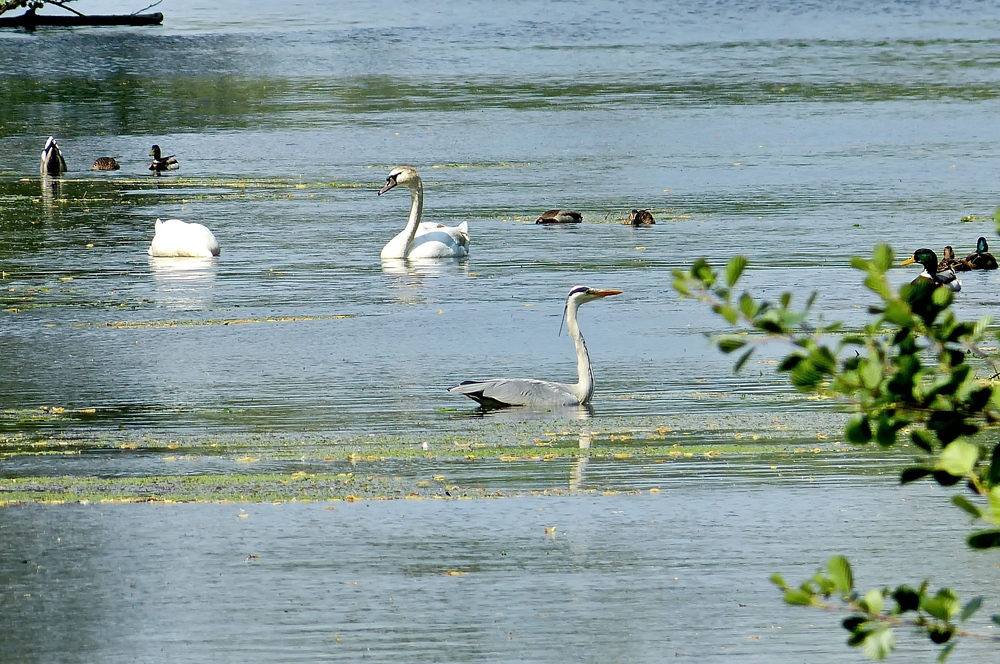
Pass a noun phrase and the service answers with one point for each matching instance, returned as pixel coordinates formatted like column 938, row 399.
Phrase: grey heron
column 422, row 240
column 560, row 217
column 176, row 238
column 52, row 159
column 501, row 392
column 929, row 260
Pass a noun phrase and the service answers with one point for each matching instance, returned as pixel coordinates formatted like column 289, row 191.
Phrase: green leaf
column 985, row 539
column 702, row 271
column 728, row 344
column 858, row 429
column 943, row 656
column 734, row 269
column 993, row 496
column 994, row 476
column 959, row 458
column 963, row 503
column 743, row 360
column 747, row 306
column 922, row 439
column 897, row 313
column 872, row 601
column 871, row 374
column 907, row 599
column 798, row 597
column 779, row 581
column 879, row 643
column 970, row 608
column 914, row 474
column 840, row 573
column 882, row 257
column 853, row 623
column 729, row 313
column 943, row 606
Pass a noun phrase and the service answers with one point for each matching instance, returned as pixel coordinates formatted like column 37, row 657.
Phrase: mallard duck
column 160, row 163
column 929, row 260
column 52, row 159
column 981, row 258
column 427, row 239
column 949, row 262
column 176, row 238
column 105, row 164
column 560, row 217
column 640, row 218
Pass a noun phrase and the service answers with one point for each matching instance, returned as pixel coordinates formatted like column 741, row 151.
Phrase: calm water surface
column 799, row 134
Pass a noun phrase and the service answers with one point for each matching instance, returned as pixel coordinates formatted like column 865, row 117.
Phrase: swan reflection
column 424, row 267
column 183, row 283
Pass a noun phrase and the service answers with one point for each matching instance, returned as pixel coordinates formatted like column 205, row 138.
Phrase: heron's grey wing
column 500, row 392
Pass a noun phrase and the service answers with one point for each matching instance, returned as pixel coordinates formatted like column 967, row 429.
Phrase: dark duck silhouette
column 161, row 163
column 640, row 218
column 52, row 159
column 981, row 258
column 560, row 217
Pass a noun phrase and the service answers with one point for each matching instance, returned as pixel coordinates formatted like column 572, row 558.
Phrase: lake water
column 799, row 134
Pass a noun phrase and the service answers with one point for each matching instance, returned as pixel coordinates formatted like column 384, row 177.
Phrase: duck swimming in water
column 640, row 218
column 105, row 164
column 981, row 258
column 161, row 163
column 52, row 159
column 929, row 260
column 949, row 262
column 560, row 217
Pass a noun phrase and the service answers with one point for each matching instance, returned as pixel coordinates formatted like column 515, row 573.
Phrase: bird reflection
column 578, row 471
column 423, row 267
column 522, row 414
column 183, row 283
column 408, row 275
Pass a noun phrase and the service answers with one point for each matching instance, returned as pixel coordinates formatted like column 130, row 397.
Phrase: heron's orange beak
column 908, row 261
column 606, row 292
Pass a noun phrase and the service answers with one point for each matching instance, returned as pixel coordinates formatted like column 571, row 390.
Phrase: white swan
column 422, row 240
column 176, row 238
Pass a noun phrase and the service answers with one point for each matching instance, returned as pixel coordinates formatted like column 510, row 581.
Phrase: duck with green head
column 981, row 258
column 929, row 260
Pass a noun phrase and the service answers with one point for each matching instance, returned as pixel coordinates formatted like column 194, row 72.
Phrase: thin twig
column 145, row 8
column 60, row 4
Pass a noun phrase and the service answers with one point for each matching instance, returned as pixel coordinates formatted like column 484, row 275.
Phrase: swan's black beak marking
column 390, row 182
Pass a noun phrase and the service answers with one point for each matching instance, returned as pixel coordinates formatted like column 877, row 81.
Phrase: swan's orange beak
column 605, row 292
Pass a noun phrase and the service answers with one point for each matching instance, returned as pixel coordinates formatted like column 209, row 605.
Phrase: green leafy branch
column 874, row 614
column 912, row 369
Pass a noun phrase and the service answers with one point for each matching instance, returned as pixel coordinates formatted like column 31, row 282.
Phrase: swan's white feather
column 176, row 238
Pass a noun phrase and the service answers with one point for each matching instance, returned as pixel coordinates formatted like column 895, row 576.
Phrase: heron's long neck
column 416, row 208
column 584, row 387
